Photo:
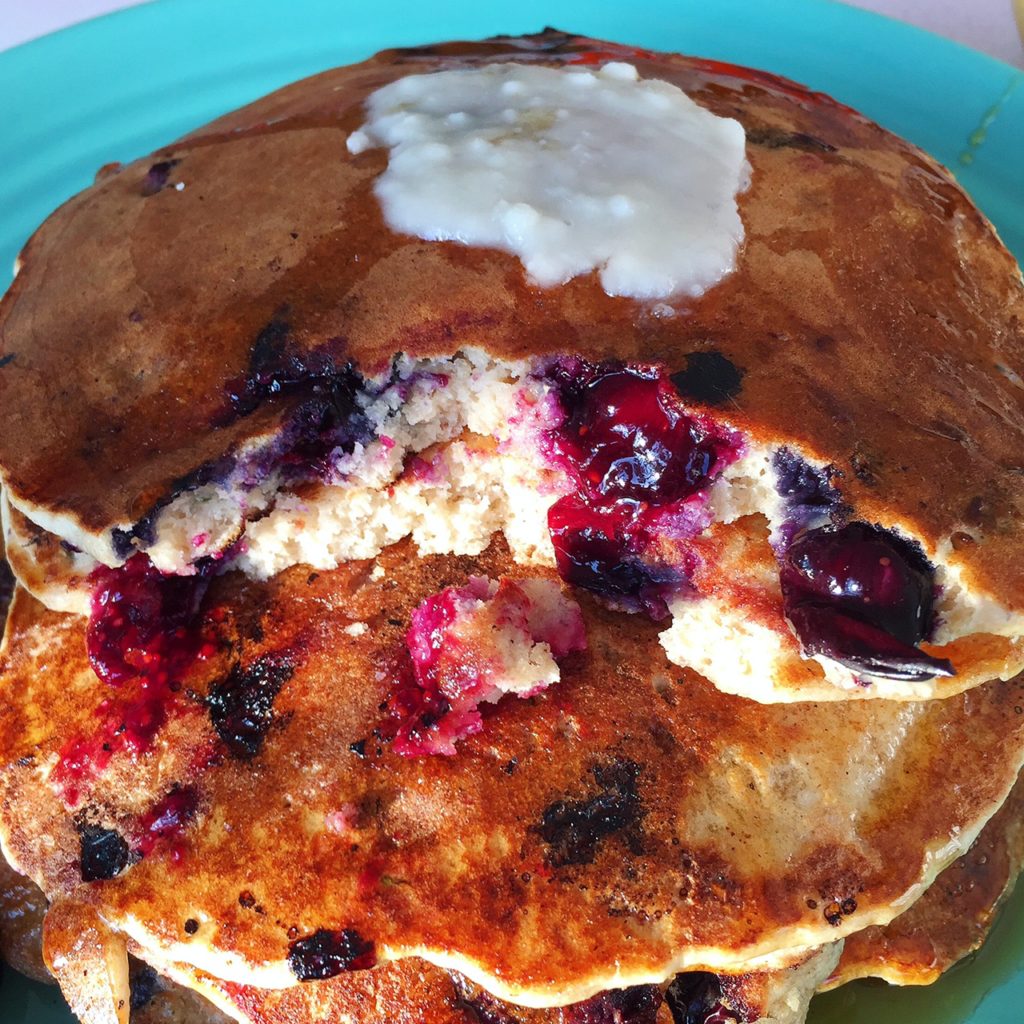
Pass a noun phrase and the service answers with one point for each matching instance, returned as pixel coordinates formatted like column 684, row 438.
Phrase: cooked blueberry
column 157, row 176
column 626, row 437
column 143, row 623
column 326, row 954
column 574, row 829
column 864, row 597
column 6, row 589
column 810, row 498
column 709, row 377
column 479, row 1006
column 144, row 983
column 104, row 853
column 592, row 551
column 242, row 704
column 636, row 1005
column 638, row 461
column 696, row 998
column 4, row 360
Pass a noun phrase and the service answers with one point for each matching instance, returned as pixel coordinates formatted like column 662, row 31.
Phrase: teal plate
column 117, row 87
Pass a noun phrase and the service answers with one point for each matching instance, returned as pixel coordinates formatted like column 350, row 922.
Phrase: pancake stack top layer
column 383, row 614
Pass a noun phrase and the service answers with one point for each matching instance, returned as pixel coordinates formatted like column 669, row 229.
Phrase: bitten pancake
column 259, row 360
column 625, row 824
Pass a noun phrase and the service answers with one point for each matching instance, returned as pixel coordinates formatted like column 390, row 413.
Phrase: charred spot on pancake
column 709, row 378
column 157, row 176
column 9, row 358
column 104, row 853
column 862, row 596
column 638, row 1004
column 696, row 998
column 242, row 704
column 327, row 953
column 575, row 829
column 779, row 138
column 143, row 985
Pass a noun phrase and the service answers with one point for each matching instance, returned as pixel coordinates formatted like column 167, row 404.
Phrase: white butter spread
column 573, row 170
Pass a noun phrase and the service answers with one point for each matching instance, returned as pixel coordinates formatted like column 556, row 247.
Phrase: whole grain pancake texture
column 626, row 823
column 531, row 539
column 270, row 373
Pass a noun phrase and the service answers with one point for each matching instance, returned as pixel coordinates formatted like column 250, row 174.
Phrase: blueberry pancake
column 345, row 315
column 386, row 759
column 950, row 921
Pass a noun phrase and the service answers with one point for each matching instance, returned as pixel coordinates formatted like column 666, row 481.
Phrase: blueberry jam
column 326, row 954
column 864, row 597
column 641, row 466
column 143, row 623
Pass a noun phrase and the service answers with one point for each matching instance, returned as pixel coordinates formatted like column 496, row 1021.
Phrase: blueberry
column 326, row 954
column 864, row 597
column 636, row 1005
column 104, row 853
column 575, row 829
column 242, row 704
column 709, row 378
column 157, row 177
column 696, row 998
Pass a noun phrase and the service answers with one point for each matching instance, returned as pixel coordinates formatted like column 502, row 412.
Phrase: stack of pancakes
column 313, row 704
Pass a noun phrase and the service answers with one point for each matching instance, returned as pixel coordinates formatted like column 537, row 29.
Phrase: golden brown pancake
column 413, row 992
column 628, row 823
column 873, row 316
column 953, row 917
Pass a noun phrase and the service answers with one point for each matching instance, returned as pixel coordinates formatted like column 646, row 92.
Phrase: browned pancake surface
column 630, row 822
column 953, row 917
column 876, row 316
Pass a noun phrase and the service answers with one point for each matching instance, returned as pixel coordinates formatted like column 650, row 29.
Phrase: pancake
column 950, row 921
column 411, row 992
column 954, row 916
column 22, row 906
column 258, row 365
column 627, row 823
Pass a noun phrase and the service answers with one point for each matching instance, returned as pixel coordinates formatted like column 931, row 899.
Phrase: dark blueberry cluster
column 636, row 1005
column 696, row 998
column 326, row 954
column 575, row 829
column 638, row 461
column 242, row 704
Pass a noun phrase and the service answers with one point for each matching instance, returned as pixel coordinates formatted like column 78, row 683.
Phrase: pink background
column 987, row 25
